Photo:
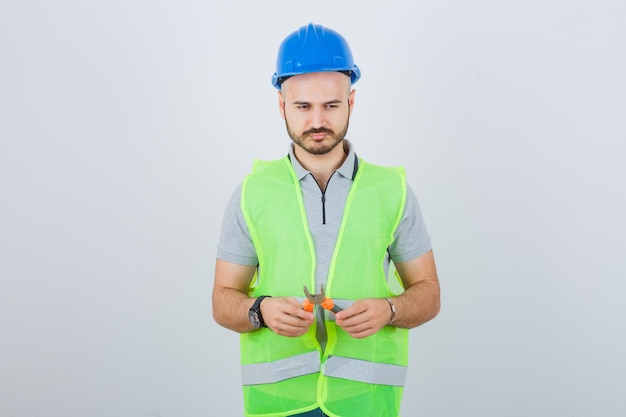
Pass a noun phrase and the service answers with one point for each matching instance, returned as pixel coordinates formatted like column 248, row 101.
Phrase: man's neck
column 321, row 166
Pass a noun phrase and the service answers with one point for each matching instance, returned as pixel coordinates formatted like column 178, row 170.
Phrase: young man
column 322, row 216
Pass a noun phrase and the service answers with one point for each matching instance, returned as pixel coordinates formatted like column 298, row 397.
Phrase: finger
column 289, row 317
column 296, row 320
column 360, row 329
column 355, row 326
column 295, row 309
column 364, row 319
column 288, row 325
column 362, row 310
column 352, row 317
column 286, row 306
column 349, row 312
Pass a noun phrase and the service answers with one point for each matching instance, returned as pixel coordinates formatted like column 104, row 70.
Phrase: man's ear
column 351, row 101
column 281, row 104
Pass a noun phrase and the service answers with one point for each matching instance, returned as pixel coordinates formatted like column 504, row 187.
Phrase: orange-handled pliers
column 319, row 299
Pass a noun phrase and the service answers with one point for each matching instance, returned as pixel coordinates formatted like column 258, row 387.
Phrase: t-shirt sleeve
column 411, row 238
column 235, row 244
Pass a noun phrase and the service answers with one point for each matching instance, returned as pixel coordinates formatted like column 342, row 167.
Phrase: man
column 322, row 216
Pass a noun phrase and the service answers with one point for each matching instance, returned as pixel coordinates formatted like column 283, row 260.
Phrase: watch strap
column 256, row 307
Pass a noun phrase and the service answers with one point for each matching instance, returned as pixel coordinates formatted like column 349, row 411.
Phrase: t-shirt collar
column 347, row 169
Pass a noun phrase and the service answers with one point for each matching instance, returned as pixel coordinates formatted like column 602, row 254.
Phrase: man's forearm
column 417, row 305
column 420, row 301
column 230, row 309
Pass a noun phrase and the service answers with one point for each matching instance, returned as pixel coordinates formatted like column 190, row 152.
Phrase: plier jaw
column 319, row 299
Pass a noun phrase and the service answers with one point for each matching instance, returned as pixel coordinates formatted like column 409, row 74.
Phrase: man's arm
column 231, row 303
column 419, row 303
column 230, row 300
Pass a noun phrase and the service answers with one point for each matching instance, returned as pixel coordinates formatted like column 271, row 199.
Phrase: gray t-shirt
column 324, row 214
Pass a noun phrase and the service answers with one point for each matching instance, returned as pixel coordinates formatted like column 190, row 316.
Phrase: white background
column 125, row 126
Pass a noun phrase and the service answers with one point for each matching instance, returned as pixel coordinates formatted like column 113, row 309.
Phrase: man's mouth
column 318, row 134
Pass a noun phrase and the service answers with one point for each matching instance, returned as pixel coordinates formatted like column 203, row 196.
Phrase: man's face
column 316, row 108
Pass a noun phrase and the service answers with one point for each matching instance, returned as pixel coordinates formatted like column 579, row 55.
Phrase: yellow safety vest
column 290, row 375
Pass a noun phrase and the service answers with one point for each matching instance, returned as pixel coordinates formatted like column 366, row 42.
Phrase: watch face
column 254, row 319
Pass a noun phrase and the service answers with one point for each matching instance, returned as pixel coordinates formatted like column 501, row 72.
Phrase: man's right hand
column 285, row 316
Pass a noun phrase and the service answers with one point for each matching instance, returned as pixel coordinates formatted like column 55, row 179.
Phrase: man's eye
column 302, row 107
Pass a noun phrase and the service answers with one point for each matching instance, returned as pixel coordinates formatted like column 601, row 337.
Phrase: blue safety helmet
column 314, row 48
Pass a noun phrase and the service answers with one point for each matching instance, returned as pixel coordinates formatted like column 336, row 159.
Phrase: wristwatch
column 254, row 314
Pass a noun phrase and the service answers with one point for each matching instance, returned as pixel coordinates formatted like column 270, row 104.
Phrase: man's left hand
column 365, row 317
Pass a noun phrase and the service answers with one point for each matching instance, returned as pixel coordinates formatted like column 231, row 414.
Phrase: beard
column 318, row 148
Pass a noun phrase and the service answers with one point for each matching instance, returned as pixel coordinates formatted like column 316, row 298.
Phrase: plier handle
column 319, row 299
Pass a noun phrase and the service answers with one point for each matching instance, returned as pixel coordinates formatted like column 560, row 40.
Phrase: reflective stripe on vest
column 363, row 371
column 335, row 366
column 271, row 372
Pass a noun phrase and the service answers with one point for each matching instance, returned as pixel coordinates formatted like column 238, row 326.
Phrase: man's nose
column 317, row 118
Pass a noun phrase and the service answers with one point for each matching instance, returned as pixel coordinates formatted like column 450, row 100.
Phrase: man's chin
column 319, row 148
